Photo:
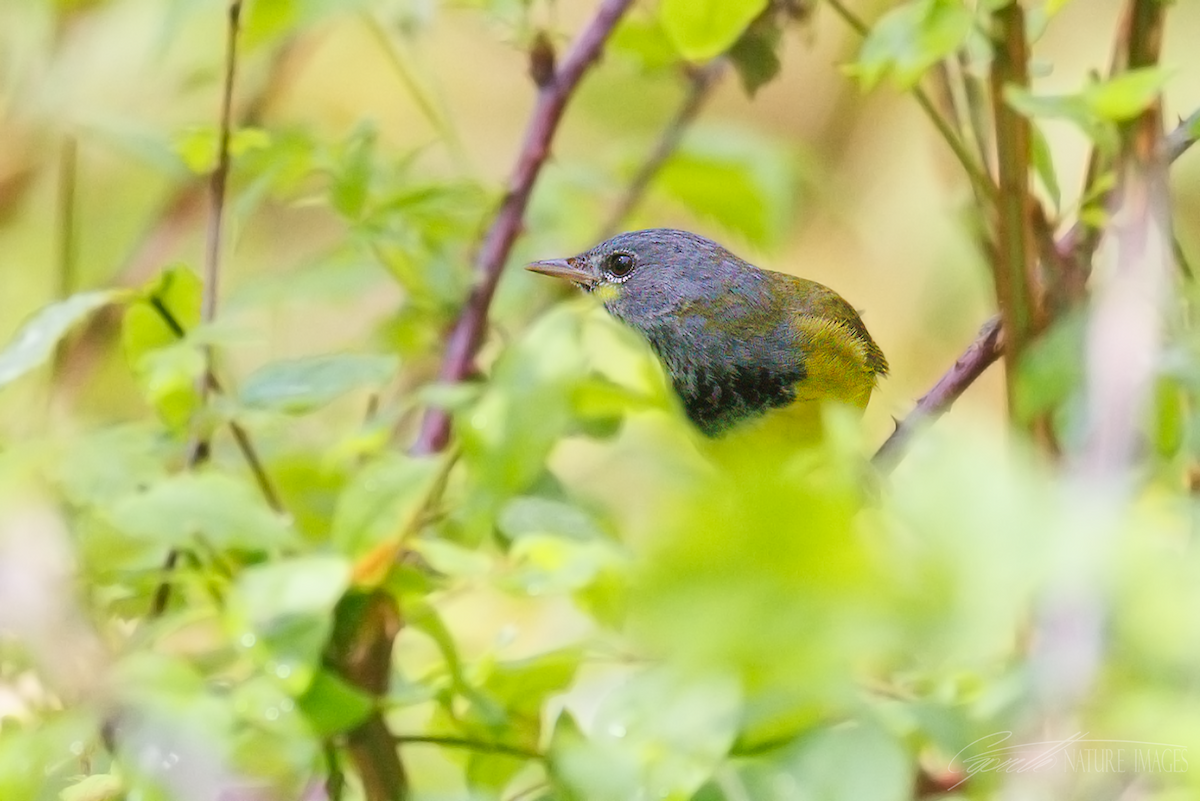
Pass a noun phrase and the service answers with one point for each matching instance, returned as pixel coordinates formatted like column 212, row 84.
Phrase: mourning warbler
column 740, row 344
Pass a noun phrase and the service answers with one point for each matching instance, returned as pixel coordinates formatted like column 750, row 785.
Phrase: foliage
column 207, row 534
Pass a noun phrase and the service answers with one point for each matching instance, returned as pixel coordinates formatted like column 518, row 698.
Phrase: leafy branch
column 465, row 337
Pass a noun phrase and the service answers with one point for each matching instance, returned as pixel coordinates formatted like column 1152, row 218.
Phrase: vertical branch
column 216, row 196
column 1014, row 243
column 464, row 339
column 199, row 446
column 1122, row 344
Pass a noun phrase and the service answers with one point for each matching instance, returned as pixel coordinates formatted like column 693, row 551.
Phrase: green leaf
column 911, row 38
column 197, row 147
column 645, row 41
column 735, row 177
column 303, row 385
column 755, row 55
column 98, row 787
column 520, row 688
column 832, row 764
column 663, row 733
column 152, row 338
column 544, row 564
column 225, row 512
column 592, row 770
column 352, row 175
column 96, row 467
column 702, row 29
column 285, row 607
column 36, row 339
column 1043, row 164
column 333, row 706
column 528, row 515
column 380, row 501
column 1127, row 95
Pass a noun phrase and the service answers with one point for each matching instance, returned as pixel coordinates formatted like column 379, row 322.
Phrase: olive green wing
column 842, row 361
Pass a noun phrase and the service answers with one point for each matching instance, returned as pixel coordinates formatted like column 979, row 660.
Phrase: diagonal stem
column 463, row 343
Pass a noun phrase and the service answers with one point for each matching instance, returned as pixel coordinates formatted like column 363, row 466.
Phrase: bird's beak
column 564, row 268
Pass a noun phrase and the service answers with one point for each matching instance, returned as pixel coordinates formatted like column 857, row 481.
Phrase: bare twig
column 198, row 448
column 702, row 81
column 217, row 182
column 1182, row 138
column 463, row 342
column 980, row 355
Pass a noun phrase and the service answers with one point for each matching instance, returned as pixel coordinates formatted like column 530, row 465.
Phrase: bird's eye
column 619, row 266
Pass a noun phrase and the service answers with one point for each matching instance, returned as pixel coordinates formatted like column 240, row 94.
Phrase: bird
column 742, row 346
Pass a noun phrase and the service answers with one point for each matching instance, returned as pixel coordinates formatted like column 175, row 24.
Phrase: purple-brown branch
column 464, row 340
column 982, row 353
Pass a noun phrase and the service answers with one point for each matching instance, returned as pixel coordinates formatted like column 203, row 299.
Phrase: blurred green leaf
column 36, row 339
column 303, row 385
column 353, row 172
column 702, row 29
column 380, row 501
column 285, row 608
column 755, row 55
column 102, row 465
column 332, row 706
column 98, row 787
column 1043, row 164
column 909, row 39
column 735, row 177
column 644, row 40
column 523, row 516
column 153, row 334
column 659, row 735
column 844, row 763
column 197, row 147
column 223, row 511
column 1126, row 95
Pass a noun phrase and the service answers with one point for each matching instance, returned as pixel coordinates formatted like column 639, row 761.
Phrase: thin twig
column 217, row 184
column 1182, row 138
column 981, row 354
column 463, row 343
column 701, row 83
column 484, row 746
column 198, row 448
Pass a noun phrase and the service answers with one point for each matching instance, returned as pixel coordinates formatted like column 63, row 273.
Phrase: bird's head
column 642, row 276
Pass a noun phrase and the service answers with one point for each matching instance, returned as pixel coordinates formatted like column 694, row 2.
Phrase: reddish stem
column 464, row 340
